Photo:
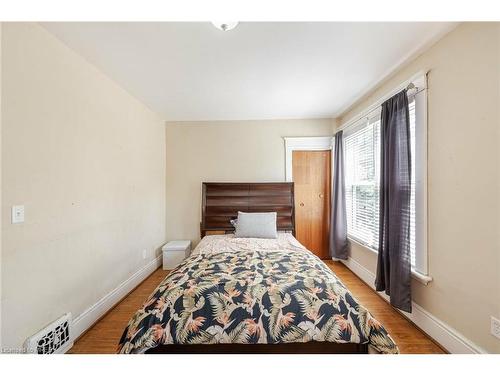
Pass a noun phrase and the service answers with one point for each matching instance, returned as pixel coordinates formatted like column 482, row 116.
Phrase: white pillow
column 256, row 225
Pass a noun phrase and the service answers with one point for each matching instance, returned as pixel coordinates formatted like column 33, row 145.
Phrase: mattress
column 252, row 291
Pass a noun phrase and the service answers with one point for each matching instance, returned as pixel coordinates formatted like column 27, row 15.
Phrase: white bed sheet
column 228, row 242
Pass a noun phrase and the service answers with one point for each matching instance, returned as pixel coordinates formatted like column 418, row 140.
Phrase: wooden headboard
column 221, row 202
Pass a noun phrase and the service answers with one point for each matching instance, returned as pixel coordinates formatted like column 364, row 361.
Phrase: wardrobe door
column 311, row 173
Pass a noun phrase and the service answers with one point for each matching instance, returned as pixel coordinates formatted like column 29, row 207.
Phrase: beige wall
column 88, row 162
column 463, row 179
column 247, row 151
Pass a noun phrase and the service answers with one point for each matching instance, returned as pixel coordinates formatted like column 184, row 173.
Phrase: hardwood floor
column 407, row 335
column 103, row 337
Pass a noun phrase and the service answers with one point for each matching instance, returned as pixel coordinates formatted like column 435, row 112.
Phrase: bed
column 249, row 295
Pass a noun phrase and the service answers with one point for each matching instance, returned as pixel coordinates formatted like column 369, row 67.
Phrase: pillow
column 234, row 222
column 256, row 225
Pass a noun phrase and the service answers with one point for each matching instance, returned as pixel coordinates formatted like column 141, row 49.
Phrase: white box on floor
column 174, row 252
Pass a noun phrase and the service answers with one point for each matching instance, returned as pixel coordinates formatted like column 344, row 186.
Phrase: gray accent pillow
column 256, row 225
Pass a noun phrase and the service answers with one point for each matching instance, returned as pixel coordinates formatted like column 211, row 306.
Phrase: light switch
column 17, row 214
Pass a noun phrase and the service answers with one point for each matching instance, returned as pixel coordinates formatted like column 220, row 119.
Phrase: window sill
column 420, row 277
column 363, row 245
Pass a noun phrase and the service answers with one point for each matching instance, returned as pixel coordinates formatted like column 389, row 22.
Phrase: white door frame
column 303, row 144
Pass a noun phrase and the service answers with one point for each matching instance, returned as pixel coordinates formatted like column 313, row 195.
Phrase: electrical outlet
column 495, row 327
column 144, row 254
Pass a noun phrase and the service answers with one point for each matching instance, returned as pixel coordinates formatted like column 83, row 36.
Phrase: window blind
column 412, row 196
column 362, row 166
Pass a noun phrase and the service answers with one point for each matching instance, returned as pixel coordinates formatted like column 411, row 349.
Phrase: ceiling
column 193, row 72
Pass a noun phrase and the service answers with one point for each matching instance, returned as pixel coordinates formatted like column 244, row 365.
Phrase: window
column 362, row 171
column 362, row 166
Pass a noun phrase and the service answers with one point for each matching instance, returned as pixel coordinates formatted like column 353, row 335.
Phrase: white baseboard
column 448, row 337
column 86, row 319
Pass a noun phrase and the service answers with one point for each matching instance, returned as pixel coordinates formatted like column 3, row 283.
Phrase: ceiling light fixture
column 225, row 26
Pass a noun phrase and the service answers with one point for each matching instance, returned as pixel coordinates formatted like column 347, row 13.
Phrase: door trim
column 303, row 144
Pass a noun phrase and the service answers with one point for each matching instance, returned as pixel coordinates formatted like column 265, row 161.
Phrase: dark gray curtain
column 394, row 259
column 339, row 244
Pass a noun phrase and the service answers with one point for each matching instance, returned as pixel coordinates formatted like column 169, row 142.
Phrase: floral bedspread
column 246, row 291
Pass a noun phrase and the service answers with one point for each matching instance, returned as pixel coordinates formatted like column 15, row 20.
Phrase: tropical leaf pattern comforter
column 233, row 290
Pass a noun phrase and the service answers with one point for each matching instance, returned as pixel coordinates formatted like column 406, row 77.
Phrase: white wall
column 88, row 162
column 230, row 151
column 463, row 179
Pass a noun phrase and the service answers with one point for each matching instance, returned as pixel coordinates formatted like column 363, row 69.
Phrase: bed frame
column 221, row 202
column 312, row 347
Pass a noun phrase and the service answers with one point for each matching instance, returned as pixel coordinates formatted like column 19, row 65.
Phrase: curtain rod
column 408, row 84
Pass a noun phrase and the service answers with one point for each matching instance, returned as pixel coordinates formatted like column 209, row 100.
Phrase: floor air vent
column 53, row 339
